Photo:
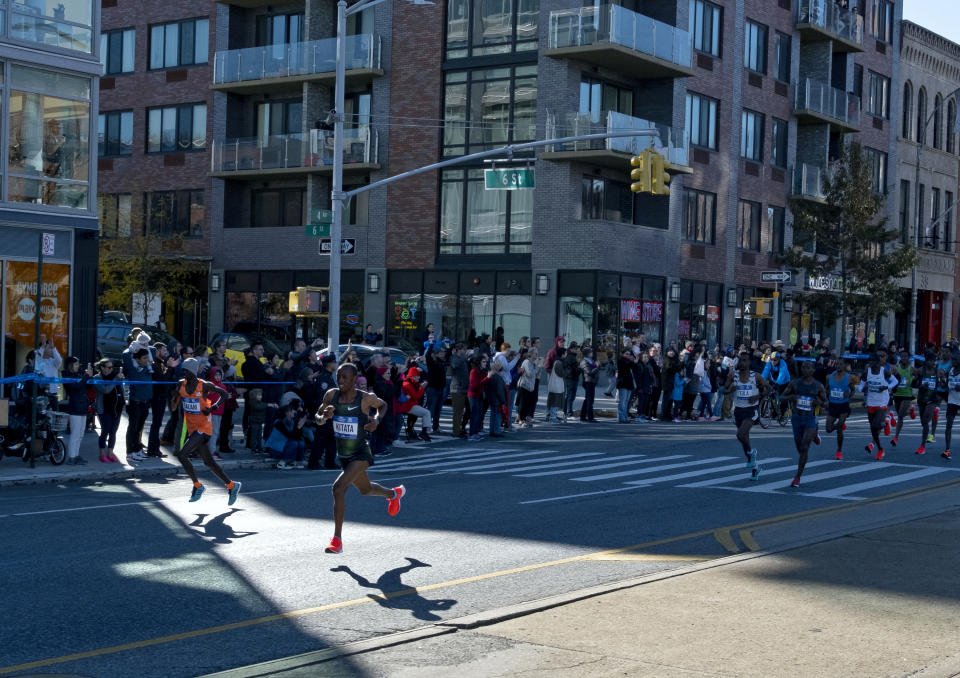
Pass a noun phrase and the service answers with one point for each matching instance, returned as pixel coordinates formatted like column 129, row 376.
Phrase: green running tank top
column 904, row 388
column 348, row 422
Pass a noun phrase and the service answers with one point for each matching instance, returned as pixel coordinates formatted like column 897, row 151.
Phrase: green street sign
column 508, row 180
column 318, row 230
column 322, row 216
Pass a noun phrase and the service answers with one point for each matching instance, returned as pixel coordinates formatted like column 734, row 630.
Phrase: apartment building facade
column 928, row 171
column 153, row 150
column 49, row 67
column 750, row 101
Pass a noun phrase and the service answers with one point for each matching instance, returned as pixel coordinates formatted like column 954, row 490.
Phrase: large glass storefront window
column 405, row 321
column 575, row 320
column 48, row 161
column 750, row 328
column 699, row 312
column 441, row 310
column 65, row 24
column 512, row 317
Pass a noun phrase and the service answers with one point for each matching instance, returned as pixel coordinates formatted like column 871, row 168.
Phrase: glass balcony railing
column 808, row 182
column 614, row 24
column 818, row 97
column 295, row 58
column 293, row 151
column 832, row 18
column 670, row 142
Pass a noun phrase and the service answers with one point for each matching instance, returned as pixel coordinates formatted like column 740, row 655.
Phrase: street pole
column 776, row 312
column 921, row 134
column 336, row 192
column 37, row 347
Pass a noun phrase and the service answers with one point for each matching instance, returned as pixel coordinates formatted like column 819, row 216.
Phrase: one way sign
column 347, row 246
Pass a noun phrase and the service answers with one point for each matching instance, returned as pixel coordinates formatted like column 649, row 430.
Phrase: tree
column 843, row 240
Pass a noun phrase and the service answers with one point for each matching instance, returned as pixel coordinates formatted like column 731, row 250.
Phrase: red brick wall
column 415, row 92
column 144, row 89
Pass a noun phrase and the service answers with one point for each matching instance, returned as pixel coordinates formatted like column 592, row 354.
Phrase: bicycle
column 771, row 410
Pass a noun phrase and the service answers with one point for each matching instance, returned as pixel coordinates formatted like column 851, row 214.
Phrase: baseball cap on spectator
column 328, row 358
column 191, row 365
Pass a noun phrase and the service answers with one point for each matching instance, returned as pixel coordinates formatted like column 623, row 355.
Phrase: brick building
column 154, row 131
column 49, row 67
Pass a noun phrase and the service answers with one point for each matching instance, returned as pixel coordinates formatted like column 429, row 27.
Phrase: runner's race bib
column 836, row 394
column 903, row 382
column 804, row 403
column 930, row 382
column 191, row 405
column 346, row 427
column 745, row 392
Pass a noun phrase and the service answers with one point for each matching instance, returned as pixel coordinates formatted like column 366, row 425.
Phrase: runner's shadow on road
column 396, row 596
column 216, row 529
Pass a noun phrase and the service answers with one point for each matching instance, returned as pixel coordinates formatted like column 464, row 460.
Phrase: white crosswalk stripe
column 652, row 469
column 577, row 462
column 699, row 472
column 846, row 492
column 604, row 466
column 713, row 482
column 460, row 462
column 835, row 473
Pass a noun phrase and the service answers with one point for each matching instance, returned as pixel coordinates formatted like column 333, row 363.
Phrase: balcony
column 826, row 20
column 293, row 154
column 816, row 102
column 630, row 43
column 280, row 67
column 615, row 152
column 807, row 183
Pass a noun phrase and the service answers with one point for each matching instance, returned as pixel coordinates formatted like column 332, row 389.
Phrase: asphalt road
column 128, row 578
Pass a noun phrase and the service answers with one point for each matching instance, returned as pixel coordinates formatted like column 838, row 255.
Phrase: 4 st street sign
column 782, row 277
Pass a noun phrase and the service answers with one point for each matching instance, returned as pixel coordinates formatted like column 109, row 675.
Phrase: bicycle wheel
column 783, row 418
column 58, row 452
column 766, row 412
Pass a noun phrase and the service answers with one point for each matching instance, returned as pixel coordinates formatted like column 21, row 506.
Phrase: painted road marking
column 603, row 466
column 569, row 463
column 729, row 479
column 844, row 492
column 652, row 469
column 701, row 472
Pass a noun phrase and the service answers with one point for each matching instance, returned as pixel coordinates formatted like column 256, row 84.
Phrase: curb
column 85, row 476
column 490, row 617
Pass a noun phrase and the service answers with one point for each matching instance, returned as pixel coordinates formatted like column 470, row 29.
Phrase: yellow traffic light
column 659, row 178
column 641, row 174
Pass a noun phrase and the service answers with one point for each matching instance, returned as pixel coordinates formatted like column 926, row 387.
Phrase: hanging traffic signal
column 659, row 178
column 640, row 175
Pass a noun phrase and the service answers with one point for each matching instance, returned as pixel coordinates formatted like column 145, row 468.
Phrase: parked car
column 364, row 352
column 112, row 337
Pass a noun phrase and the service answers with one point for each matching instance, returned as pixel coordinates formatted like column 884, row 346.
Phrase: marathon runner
column 903, row 393
column 808, row 394
column 747, row 387
column 953, row 401
column 838, row 405
column 354, row 413
column 943, row 367
column 876, row 386
column 928, row 397
column 198, row 428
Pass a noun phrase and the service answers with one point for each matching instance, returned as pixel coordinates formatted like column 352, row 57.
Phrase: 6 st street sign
column 347, row 246
column 782, row 277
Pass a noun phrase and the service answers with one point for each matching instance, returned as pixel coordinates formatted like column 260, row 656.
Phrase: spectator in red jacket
column 479, row 378
column 411, row 393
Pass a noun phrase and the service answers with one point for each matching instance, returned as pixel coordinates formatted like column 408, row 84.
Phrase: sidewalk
column 875, row 602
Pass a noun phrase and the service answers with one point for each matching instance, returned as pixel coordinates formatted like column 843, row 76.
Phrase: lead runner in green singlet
column 354, row 413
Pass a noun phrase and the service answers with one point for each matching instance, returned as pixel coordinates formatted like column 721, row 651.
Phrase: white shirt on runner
column 872, row 384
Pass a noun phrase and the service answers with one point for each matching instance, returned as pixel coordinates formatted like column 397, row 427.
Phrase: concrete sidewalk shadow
column 396, row 596
column 216, row 529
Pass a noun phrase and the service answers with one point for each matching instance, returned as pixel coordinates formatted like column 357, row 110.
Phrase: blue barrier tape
column 20, row 378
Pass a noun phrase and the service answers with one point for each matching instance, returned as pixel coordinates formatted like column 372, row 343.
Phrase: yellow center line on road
column 600, row 555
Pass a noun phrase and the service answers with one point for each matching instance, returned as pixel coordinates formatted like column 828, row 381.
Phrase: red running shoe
column 816, row 438
column 893, row 421
column 946, row 455
column 879, row 454
column 844, row 427
column 893, row 441
column 336, row 546
column 886, row 428
column 921, row 449
column 796, row 482
column 393, row 505
column 913, row 412
column 869, row 448
column 839, row 454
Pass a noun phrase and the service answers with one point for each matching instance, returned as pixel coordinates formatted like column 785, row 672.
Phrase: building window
column 706, row 22
column 614, row 201
column 904, row 211
column 951, row 125
column 699, row 216
column 751, row 135
column 907, row 112
column 117, row 51
column 177, row 128
column 179, row 44
column 858, row 81
column 487, row 108
column 922, row 116
column 931, row 235
column 948, row 221
column 48, row 159
column 280, row 117
column 597, row 97
column 784, row 49
column 174, row 213
column 881, row 20
column 938, row 122
column 878, row 103
column 778, row 154
column 877, row 160
column 702, row 120
column 114, row 210
column 115, row 133
column 477, row 221
column 278, row 207
column 61, row 24
column 921, row 197
column 776, row 222
column 279, row 29
column 755, row 47
column 478, row 28
column 748, row 226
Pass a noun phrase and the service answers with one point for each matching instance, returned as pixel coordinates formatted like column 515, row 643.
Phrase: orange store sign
column 21, row 311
